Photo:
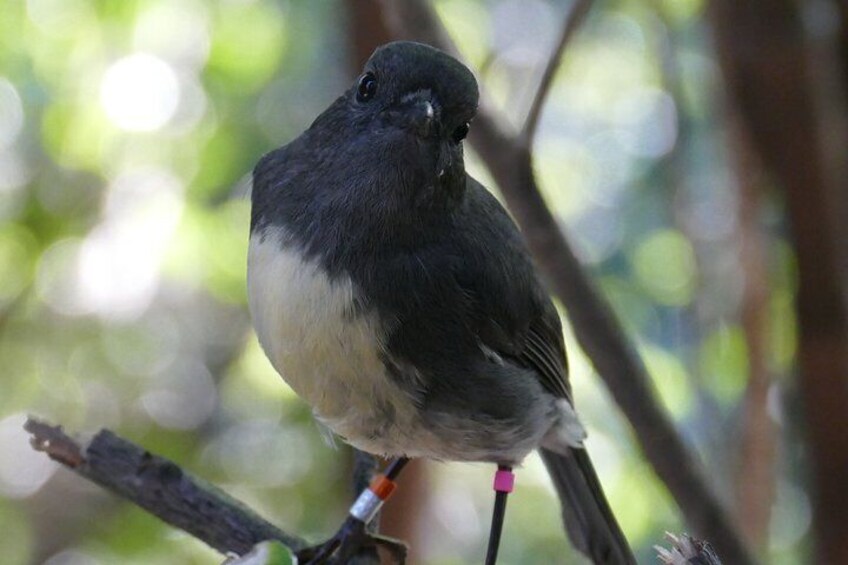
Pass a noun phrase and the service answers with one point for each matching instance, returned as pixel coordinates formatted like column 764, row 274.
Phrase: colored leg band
column 369, row 502
column 383, row 486
column 504, row 480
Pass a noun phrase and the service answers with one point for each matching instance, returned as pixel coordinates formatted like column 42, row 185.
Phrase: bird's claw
column 347, row 543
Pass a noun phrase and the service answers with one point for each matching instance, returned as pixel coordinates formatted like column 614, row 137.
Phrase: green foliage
column 247, row 46
column 664, row 265
column 724, row 362
column 18, row 537
column 265, row 553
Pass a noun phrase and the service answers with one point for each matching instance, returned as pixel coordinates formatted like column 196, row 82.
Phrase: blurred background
column 127, row 134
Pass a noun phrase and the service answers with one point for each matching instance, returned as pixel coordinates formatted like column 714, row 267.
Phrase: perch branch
column 599, row 333
column 160, row 487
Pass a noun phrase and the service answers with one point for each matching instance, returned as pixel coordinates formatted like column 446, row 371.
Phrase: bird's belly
column 325, row 350
column 330, row 354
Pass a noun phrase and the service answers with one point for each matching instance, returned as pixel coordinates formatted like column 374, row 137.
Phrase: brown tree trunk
column 366, row 31
column 765, row 62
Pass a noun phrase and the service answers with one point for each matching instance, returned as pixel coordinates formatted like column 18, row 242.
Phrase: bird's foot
column 351, row 538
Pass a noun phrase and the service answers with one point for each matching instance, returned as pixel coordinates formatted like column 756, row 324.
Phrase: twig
column 596, row 327
column 572, row 22
column 160, row 487
column 756, row 436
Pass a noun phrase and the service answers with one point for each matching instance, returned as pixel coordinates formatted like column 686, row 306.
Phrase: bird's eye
column 367, row 87
column 460, row 133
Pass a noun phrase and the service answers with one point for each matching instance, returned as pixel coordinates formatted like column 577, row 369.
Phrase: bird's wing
column 536, row 344
column 517, row 318
column 544, row 352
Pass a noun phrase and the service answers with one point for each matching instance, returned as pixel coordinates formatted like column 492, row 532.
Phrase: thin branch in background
column 575, row 17
column 828, row 62
column 756, row 443
column 674, row 172
column 160, row 487
column 596, row 327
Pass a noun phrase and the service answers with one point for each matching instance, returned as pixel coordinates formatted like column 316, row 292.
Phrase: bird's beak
column 423, row 118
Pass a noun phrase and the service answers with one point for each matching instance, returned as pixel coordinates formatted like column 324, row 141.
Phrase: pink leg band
column 504, row 480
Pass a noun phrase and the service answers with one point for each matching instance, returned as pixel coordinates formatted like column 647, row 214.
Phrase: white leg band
column 366, row 506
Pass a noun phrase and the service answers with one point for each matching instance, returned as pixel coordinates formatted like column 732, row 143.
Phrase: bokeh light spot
column 118, row 269
column 791, row 516
column 247, row 60
column 23, row 471
column 183, row 398
column 664, row 263
column 11, row 113
column 286, row 453
column 140, row 92
column 670, row 380
column 177, row 31
column 724, row 362
column 60, row 18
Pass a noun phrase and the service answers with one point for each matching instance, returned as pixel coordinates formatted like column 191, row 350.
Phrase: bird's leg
column 504, row 481
column 353, row 534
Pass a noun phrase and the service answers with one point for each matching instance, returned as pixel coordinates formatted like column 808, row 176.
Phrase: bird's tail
column 588, row 518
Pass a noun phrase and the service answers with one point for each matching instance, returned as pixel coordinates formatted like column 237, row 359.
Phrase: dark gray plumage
column 395, row 294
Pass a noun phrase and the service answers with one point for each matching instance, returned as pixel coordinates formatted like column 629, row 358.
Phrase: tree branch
column 160, row 487
column 597, row 330
column 572, row 23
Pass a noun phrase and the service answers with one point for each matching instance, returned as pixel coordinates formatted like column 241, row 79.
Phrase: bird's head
column 418, row 88
column 414, row 98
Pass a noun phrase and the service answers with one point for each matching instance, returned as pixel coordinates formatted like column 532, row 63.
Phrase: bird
column 396, row 296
